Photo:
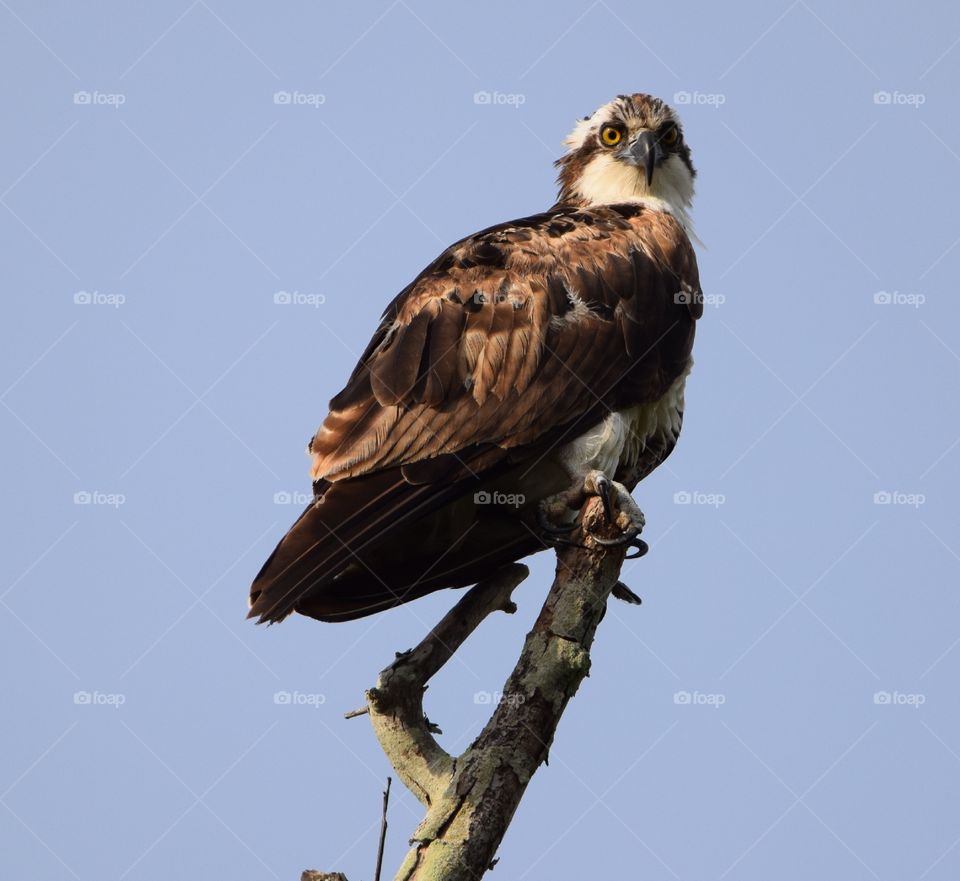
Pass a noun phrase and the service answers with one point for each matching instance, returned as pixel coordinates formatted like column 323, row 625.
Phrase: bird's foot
column 556, row 516
column 619, row 508
column 622, row 592
column 550, row 529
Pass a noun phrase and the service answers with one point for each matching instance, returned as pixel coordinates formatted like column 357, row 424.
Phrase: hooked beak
column 645, row 152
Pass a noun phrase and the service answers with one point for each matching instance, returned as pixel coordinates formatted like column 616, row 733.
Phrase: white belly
column 623, row 436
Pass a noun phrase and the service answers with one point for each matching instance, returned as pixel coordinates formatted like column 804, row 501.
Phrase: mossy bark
column 470, row 799
column 468, row 815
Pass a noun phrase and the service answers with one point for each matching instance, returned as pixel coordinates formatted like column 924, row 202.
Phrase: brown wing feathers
column 509, row 337
column 336, row 532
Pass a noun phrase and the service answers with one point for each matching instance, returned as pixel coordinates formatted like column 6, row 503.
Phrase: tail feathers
column 337, row 533
column 363, row 591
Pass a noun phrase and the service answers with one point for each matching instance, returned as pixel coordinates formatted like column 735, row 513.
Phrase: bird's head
column 630, row 150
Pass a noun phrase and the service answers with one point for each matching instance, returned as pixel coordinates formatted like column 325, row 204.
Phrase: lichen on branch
column 470, row 799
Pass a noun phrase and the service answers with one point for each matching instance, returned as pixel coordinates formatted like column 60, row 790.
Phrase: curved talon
column 602, row 485
column 621, row 592
column 562, row 542
column 629, row 538
column 624, row 538
column 552, row 532
column 616, row 500
column 551, row 528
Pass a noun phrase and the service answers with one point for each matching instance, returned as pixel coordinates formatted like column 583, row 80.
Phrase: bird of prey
column 529, row 366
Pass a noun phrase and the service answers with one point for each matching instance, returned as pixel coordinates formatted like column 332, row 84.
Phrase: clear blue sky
column 156, row 198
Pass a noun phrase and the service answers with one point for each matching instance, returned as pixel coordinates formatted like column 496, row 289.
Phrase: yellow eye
column 670, row 136
column 610, row 135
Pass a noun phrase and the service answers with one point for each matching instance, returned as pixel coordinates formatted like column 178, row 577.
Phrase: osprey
column 530, row 365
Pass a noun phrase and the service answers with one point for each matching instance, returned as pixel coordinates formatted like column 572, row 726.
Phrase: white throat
column 607, row 181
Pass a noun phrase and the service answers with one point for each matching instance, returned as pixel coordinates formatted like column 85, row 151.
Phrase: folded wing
column 508, row 344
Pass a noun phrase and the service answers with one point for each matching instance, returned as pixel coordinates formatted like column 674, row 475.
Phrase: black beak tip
column 646, row 151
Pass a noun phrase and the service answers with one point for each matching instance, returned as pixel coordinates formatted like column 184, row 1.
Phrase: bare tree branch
column 396, row 702
column 383, row 830
column 471, row 798
column 360, row 711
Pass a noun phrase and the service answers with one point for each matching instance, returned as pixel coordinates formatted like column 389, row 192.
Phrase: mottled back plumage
column 508, row 347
